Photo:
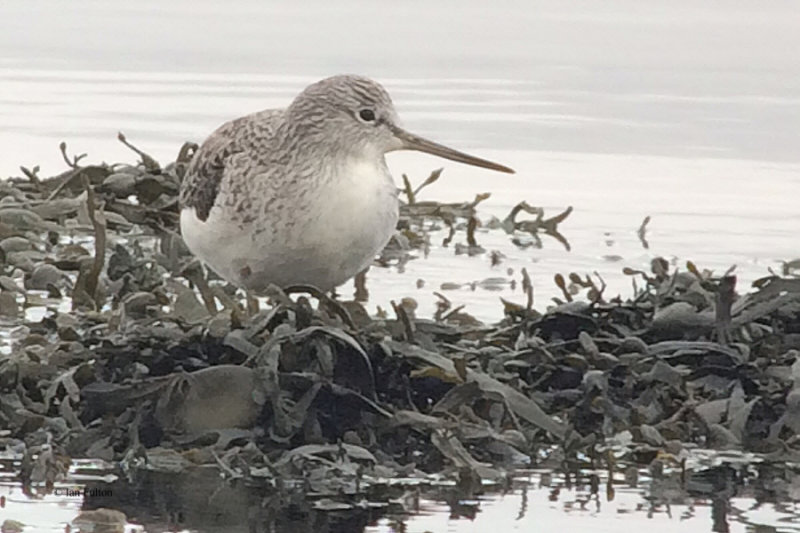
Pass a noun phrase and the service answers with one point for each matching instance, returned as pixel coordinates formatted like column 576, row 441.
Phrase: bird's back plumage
column 301, row 195
column 251, row 135
column 278, row 197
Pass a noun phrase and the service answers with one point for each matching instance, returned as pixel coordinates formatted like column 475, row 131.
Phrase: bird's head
column 357, row 114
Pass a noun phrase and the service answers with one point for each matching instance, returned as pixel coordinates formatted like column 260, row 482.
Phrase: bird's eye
column 367, row 115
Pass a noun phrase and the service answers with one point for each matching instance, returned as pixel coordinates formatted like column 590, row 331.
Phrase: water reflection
column 719, row 495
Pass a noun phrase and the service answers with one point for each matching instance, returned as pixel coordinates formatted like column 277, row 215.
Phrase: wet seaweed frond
column 155, row 362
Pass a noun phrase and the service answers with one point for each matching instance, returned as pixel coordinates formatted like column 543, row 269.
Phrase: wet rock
column 121, row 184
column 680, row 319
column 606, row 361
column 651, row 435
column 351, row 437
column 633, row 344
column 44, row 276
column 214, row 398
column 588, row 345
column 25, row 260
column 100, row 520
column 15, row 244
column 8, row 284
column 720, row 438
column 25, row 220
column 58, row 208
column 12, row 526
column 630, row 358
column 68, row 334
column 8, row 304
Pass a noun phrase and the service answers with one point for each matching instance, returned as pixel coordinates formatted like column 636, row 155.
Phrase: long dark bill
column 414, row 142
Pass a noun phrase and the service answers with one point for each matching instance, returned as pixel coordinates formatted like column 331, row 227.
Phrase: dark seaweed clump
column 118, row 346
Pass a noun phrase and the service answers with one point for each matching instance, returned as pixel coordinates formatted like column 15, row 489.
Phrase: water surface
column 688, row 113
column 684, row 111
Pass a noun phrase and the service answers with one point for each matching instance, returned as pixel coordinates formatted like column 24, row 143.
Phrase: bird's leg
column 360, row 281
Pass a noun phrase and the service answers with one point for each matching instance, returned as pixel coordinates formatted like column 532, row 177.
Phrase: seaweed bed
column 116, row 345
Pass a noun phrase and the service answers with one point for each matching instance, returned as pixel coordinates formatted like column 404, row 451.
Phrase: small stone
column 588, row 344
column 8, row 304
column 100, row 520
column 633, row 344
column 11, row 526
column 15, row 244
column 120, row 184
column 8, row 284
column 68, row 334
column 25, row 219
column 351, row 437
column 25, row 260
column 218, row 397
column 43, row 276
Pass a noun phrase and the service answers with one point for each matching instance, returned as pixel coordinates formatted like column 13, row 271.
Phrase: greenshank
column 301, row 195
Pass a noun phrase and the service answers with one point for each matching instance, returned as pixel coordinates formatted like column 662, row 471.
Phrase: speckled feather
column 301, row 195
column 276, row 141
column 274, row 179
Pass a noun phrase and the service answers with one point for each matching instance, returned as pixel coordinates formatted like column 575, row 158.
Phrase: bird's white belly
column 343, row 225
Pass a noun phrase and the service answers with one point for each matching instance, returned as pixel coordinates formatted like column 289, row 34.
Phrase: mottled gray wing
column 201, row 184
column 204, row 176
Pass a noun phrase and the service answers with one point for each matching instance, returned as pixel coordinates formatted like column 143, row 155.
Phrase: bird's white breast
column 345, row 221
column 357, row 216
column 358, row 204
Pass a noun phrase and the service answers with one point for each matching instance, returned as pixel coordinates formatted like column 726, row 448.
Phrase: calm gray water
column 682, row 110
column 540, row 501
column 688, row 113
